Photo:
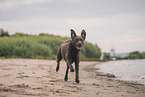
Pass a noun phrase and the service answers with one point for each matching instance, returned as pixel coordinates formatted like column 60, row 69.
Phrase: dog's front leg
column 66, row 74
column 77, row 71
column 70, row 66
column 71, row 69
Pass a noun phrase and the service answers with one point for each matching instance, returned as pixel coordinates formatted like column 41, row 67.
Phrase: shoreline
column 109, row 75
column 129, row 74
column 33, row 77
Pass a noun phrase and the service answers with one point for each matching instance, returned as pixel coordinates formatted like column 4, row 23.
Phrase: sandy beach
column 32, row 77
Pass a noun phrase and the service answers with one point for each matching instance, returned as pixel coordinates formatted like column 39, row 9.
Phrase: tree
column 135, row 55
column 4, row 33
column 106, row 56
column 19, row 34
column 91, row 51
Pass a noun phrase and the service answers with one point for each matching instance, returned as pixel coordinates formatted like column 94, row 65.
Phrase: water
column 128, row 70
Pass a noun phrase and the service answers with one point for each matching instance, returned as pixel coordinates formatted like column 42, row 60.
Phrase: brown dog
column 70, row 52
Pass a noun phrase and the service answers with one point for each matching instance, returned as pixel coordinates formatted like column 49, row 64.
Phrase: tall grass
column 43, row 46
column 23, row 47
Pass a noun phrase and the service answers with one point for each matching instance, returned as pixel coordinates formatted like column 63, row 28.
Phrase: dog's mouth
column 79, row 47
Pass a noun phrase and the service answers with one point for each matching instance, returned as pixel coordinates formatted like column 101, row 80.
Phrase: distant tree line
column 42, row 46
column 4, row 33
column 134, row 55
column 131, row 55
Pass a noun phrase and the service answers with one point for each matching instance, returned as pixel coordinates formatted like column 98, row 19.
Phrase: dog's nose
column 80, row 44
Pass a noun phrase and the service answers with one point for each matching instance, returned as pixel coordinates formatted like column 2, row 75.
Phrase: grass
column 41, row 47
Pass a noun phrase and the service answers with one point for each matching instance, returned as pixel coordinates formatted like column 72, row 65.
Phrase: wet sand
column 32, row 77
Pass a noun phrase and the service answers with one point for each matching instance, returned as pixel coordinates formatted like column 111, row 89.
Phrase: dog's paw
column 66, row 78
column 77, row 81
column 72, row 70
column 57, row 68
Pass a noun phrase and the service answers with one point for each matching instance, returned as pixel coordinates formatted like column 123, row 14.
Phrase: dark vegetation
column 4, row 33
column 42, row 46
column 134, row 55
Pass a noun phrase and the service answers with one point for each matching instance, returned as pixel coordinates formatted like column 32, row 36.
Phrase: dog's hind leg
column 59, row 58
column 66, row 75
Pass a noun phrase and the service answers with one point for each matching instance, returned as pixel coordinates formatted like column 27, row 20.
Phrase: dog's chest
column 72, row 56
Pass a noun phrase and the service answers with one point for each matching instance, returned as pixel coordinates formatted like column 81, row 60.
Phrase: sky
column 118, row 24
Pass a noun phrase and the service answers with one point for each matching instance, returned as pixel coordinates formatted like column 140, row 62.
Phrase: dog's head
column 77, row 41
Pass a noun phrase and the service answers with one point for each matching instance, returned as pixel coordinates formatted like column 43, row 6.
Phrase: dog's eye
column 77, row 39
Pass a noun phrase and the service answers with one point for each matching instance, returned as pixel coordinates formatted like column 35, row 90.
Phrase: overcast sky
column 118, row 24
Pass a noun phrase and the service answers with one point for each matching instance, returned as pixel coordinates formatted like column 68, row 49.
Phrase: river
column 128, row 70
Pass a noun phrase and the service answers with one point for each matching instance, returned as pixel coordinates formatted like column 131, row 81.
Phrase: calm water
column 128, row 70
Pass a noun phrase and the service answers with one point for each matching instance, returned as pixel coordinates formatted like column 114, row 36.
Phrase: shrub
column 44, row 46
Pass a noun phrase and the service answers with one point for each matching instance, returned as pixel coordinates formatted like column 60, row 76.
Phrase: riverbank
column 127, row 70
column 32, row 77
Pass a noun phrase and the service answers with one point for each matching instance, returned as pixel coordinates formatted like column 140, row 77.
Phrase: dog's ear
column 73, row 34
column 83, row 34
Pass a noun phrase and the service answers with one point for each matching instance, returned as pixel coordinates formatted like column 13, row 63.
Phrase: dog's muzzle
column 79, row 46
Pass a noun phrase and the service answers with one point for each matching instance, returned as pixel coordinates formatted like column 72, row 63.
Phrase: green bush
column 44, row 46
column 4, row 33
column 90, row 51
column 23, row 47
column 135, row 55
column 52, row 42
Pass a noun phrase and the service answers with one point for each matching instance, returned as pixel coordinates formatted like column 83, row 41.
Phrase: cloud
column 4, row 4
column 78, row 9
